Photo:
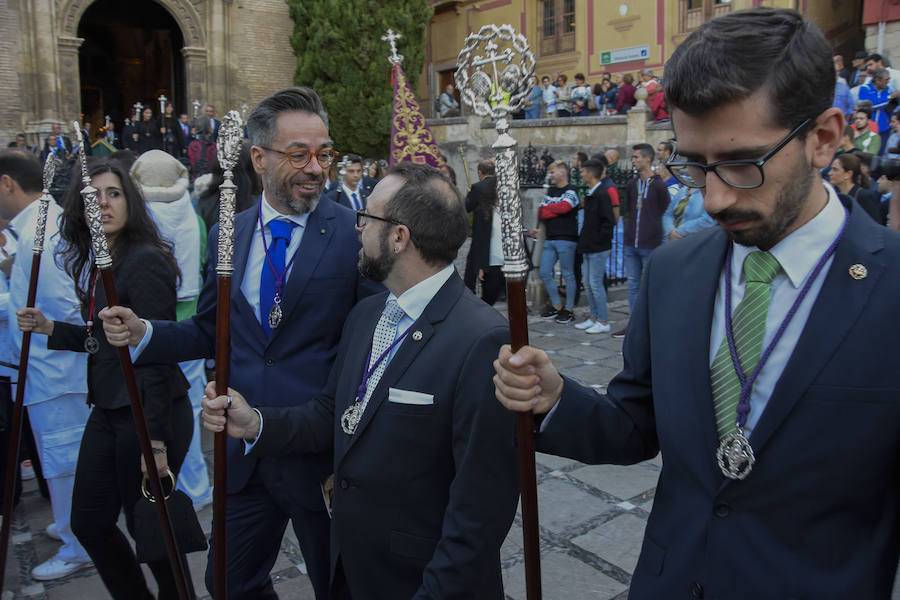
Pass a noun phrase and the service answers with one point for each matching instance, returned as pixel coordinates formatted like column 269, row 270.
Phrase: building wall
column 265, row 61
column 601, row 26
column 11, row 101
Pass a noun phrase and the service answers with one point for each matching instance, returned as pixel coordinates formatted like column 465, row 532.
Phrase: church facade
column 62, row 60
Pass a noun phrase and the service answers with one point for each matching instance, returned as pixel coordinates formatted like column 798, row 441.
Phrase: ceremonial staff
column 228, row 148
column 162, row 119
column 462, row 155
column 103, row 260
column 485, row 94
column 12, row 455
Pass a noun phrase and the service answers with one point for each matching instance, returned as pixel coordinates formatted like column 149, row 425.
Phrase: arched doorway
column 132, row 52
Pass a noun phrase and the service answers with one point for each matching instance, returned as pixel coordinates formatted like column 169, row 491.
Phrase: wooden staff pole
column 228, row 150
column 103, row 260
column 492, row 74
column 15, row 431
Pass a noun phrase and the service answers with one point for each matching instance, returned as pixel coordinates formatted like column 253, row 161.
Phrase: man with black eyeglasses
column 760, row 356
column 295, row 281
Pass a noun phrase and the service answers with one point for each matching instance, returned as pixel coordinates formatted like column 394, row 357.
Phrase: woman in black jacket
column 108, row 473
column 485, row 257
column 846, row 175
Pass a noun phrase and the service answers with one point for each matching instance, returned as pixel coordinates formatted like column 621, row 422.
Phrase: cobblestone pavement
column 592, row 518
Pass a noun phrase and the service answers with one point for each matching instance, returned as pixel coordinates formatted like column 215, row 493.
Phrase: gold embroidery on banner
column 412, row 140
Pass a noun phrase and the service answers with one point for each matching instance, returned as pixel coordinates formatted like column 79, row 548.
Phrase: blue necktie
column 280, row 239
column 356, row 205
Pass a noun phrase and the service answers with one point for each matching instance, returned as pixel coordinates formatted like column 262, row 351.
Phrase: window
column 557, row 26
column 693, row 13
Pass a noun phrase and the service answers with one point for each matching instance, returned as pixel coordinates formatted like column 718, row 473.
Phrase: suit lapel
column 694, row 312
column 244, row 230
column 409, row 349
column 837, row 307
column 316, row 237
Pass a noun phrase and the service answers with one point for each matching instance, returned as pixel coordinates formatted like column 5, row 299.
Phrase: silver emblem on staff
column 735, row 455
column 228, row 150
column 43, row 205
column 102, row 258
column 484, row 82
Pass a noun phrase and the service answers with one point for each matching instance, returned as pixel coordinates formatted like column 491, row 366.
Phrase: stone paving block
column 617, row 541
column 591, row 352
column 562, row 505
column 550, row 342
column 512, row 545
column 563, row 578
column 87, row 588
column 297, row 588
column 621, row 482
column 554, row 463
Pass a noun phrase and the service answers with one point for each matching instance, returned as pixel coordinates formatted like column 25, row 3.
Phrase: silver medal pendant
column 350, row 418
column 275, row 313
column 91, row 345
column 735, row 455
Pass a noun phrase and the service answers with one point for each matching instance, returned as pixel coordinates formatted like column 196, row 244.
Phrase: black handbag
column 150, row 545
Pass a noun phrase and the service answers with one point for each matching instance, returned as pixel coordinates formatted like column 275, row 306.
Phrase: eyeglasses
column 362, row 218
column 300, row 157
column 744, row 174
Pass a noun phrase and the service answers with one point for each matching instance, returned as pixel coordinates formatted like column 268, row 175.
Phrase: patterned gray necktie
column 385, row 332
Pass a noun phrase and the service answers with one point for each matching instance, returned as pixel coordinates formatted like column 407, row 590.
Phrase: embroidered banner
column 411, row 139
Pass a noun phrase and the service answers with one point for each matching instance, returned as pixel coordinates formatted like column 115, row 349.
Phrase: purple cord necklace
column 351, row 417
column 275, row 312
column 735, row 455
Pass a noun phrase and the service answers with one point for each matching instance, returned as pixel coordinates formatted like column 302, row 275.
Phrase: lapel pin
column 322, row 231
column 858, row 271
column 417, row 335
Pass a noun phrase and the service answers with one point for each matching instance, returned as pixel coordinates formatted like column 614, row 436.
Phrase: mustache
column 731, row 215
column 305, row 179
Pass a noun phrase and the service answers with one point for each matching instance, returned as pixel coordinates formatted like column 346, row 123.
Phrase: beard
column 377, row 268
column 789, row 204
column 282, row 192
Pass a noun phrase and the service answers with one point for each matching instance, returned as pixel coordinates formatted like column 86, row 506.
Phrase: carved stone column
column 69, row 79
column 195, row 63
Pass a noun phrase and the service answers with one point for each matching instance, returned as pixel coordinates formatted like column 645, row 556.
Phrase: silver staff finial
column 162, row 105
column 511, row 74
column 43, row 205
column 510, row 71
column 102, row 258
column 228, row 151
column 196, row 105
column 391, row 37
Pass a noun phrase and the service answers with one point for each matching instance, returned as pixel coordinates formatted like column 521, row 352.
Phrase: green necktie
column 748, row 325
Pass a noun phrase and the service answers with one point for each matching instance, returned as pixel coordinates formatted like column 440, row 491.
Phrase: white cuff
column 248, row 446
column 135, row 351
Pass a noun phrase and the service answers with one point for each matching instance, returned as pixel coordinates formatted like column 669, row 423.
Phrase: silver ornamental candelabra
column 228, row 150
column 102, row 258
column 44, row 204
column 485, row 80
column 508, row 71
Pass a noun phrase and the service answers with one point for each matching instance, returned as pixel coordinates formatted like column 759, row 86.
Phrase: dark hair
column 24, row 168
column 431, row 207
column 865, row 110
column 876, row 57
column 352, row 158
column 203, row 125
column 596, row 167
column 849, row 131
column 628, row 78
column 669, row 146
column 791, row 59
column 601, row 158
column 851, row 162
column 75, row 252
column 645, row 149
column 579, row 76
column 581, row 157
column 486, row 167
column 126, row 157
column 261, row 125
column 597, row 89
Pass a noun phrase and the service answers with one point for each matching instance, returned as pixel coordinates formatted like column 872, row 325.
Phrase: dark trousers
column 256, row 518
column 492, row 285
column 107, row 480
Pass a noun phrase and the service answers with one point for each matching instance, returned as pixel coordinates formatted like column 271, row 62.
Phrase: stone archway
column 189, row 15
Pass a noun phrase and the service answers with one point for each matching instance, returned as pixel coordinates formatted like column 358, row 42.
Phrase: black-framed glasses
column 744, row 174
column 362, row 217
column 300, row 157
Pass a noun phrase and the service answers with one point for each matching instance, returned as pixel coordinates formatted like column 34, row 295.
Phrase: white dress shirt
column 358, row 205
column 797, row 254
column 51, row 373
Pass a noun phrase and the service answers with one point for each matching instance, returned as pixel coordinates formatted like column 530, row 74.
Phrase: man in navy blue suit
column 760, row 358
column 294, row 283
